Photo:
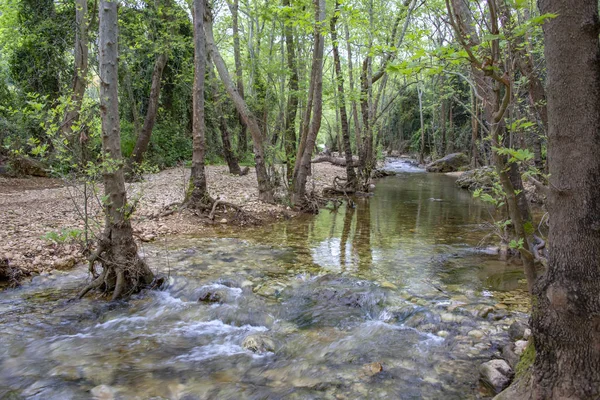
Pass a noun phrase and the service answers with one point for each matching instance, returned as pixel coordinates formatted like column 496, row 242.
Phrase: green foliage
column 65, row 236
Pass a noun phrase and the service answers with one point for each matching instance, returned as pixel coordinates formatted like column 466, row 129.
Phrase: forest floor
column 40, row 215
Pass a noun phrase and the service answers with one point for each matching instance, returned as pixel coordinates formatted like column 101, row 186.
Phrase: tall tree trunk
column 234, row 7
column 265, row 191
column 422, row 147
column 303, row 161
column 143, row 139
column 123, row 270
column 474, row 129
column 292, row 101
column 443, row 114
column 566, row 314
column 350, row 173
column 197, row 194
column 228, row 154
column 80, row 67
column 356, row 119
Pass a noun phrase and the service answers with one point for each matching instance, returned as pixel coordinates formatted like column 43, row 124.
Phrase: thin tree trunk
column 197, row 194
column 80, row 67
column 443, row 115
column 357, row 125
column 350, row 173
column 422, row 148
column 292, row 101
column 143, row 139
column 234, row 8
column 228, row 154
column 566, row 310
column 124, row 272
column 474, row 130
column 303, row 161
column 265, row 191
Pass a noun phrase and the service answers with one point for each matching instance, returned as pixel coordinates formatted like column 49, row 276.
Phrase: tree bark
column 566, row 313
column 303, row 161
column 80, row 67
column 143, row 139
column 265, row 191
column 350, row 173
column 292, row 101
column 239, row 76
column 197, row 193
column 422, row 148
column 123, row 270
column 228, row 154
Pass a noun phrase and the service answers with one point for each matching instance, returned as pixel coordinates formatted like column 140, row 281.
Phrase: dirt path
column 32, row 208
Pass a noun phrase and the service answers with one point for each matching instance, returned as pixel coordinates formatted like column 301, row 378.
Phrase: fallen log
column 339, row 161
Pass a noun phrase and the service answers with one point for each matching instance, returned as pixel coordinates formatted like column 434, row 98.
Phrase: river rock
column 508, row 354
column 475, row 333
column 450, row 163
column 103, row 392
column 496, row 374
column 520, row 347
column 372, row 369
column 259, row 343
column 480, row 178
column 516, row 331
column 388, row 285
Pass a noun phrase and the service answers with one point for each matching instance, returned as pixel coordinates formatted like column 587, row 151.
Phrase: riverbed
column 389, row 296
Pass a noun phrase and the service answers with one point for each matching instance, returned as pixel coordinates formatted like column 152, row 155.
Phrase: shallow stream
column 390, row 297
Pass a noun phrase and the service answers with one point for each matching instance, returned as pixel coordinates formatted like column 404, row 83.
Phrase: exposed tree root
column 8, row 273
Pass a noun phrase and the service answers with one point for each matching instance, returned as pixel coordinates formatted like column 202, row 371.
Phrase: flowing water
column 389, row 297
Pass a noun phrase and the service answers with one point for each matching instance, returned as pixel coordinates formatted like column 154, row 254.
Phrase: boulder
column 480, row 178
column 20, row 165
column 450, row 163
column 496, row 374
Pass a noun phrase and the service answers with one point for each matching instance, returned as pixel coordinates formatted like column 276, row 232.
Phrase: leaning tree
column 123, row 271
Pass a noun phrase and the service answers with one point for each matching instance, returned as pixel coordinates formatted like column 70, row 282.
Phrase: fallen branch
column 338, row 161
column 545, row 190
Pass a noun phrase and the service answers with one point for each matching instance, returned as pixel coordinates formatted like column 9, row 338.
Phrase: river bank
column 39, row 215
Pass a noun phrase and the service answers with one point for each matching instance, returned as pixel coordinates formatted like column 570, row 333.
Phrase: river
column 388, row 297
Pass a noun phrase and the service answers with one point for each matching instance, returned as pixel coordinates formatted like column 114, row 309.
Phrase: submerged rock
column 450, row 163
column 496, row 374
column 259, row 343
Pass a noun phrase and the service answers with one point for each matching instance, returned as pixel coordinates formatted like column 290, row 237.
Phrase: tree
column 198, row 193
column 80, row 68
column 265, row 190
column 309, row 134
column 566, row 313
column 124, row 272
column 496, row 86
column 351, row 179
